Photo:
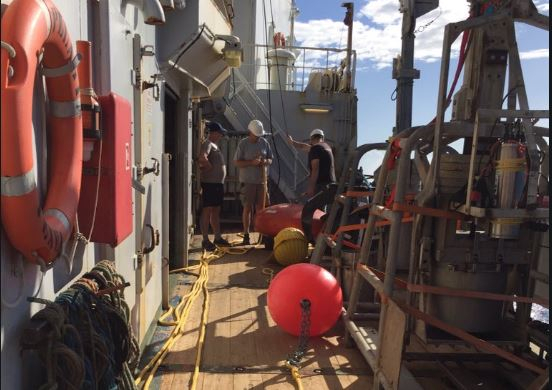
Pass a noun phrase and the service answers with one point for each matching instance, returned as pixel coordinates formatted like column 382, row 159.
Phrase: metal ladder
column 347, row 178
column 243, row 104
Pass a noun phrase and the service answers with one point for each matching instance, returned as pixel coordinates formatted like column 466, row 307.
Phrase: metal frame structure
column 383, row 348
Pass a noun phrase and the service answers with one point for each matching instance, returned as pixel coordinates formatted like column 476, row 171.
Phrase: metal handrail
column 305, row 61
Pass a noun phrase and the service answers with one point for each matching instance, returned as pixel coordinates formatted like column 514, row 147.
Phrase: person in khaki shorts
column 253, row 156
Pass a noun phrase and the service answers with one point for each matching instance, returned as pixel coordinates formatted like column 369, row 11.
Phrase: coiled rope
column 89, row 342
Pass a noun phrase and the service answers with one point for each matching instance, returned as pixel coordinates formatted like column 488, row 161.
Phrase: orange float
column 31, row 28
column 271, row 220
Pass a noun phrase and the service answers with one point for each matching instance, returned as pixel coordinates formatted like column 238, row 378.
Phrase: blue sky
column 376, row 38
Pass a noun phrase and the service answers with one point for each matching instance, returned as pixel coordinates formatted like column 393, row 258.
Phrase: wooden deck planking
column 216, row 351
column 241, row 333
column 247, row 381
column 216, row 381
column 183, row 351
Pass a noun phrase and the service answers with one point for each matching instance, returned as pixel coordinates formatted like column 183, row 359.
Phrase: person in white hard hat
column 253, row 156
column 321, row 161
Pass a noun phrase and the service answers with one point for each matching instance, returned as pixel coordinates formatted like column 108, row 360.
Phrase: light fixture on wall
column 152, row 10
column 232, row 52
column 316, row 107
column 168, row 5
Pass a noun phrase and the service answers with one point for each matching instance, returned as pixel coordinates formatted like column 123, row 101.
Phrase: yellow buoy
column 290, row 246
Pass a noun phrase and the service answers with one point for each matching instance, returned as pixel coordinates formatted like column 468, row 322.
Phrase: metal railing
column 244, row 104
column 289, row 171
column 307, row 61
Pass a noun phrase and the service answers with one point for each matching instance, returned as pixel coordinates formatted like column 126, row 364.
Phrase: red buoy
column 271, row 220
column 304, row 281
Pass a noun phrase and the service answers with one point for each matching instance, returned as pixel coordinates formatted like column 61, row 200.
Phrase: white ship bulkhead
column 115, row 29
column 181, row 63
column 110, row 25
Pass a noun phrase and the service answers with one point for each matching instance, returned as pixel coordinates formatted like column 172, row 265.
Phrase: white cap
column 317, row 132
column 256, row 127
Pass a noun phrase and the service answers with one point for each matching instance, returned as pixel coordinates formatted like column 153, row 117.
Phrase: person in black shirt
column 321, row 161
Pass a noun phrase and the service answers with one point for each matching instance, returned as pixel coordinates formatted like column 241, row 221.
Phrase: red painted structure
column 113, row 219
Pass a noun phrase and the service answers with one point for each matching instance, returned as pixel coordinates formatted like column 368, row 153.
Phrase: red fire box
column 114, row 221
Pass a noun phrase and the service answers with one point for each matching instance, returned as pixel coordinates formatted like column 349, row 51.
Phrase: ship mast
column 349, row 23
column 403, row 66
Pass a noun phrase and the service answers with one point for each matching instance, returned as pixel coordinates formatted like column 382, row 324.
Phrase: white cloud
column 539, row 53
column 377, row 32
column 543, row 6
column 382, row 11
column 317, row 33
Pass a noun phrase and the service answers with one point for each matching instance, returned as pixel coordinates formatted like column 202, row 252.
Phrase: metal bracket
column 156, row 79
column 136, row 178
column 403, row 73
column 147, row 51
column 155, row 86
column 154, row 169
column 138, row 187
column 137, row 259
column 154, row 240
column 135, row 78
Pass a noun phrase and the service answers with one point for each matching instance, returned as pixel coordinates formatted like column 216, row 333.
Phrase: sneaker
column 208, row 245
column 221, row 242
column 246, row 239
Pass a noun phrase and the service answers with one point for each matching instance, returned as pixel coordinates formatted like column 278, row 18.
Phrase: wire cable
column 21, row 275
column 188, row 47
column 269, row 96
column 97, row 191
column 40, row 284
column 281, row 96
column 425, row 26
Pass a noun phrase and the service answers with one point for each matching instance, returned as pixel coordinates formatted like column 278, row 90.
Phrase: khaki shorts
column 252, row 193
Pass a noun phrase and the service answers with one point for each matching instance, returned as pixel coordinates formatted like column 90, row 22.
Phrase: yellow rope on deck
column 201, row 340
column 296, row 375
column 181, row 313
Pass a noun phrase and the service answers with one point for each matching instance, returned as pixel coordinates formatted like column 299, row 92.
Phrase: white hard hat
column 256, row 127
column 317, row 132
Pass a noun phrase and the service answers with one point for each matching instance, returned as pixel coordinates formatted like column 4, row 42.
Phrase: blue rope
column 104, row 341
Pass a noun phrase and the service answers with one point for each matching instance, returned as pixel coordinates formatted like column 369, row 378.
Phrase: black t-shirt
column 326, row 171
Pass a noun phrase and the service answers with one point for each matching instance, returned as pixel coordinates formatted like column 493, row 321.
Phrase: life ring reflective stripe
column 32, row 27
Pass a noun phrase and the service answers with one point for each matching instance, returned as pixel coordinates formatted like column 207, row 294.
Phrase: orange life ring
column 29, row 28
column 279, row 40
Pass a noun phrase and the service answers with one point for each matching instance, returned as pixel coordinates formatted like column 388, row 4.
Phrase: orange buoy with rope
column 31, row 28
